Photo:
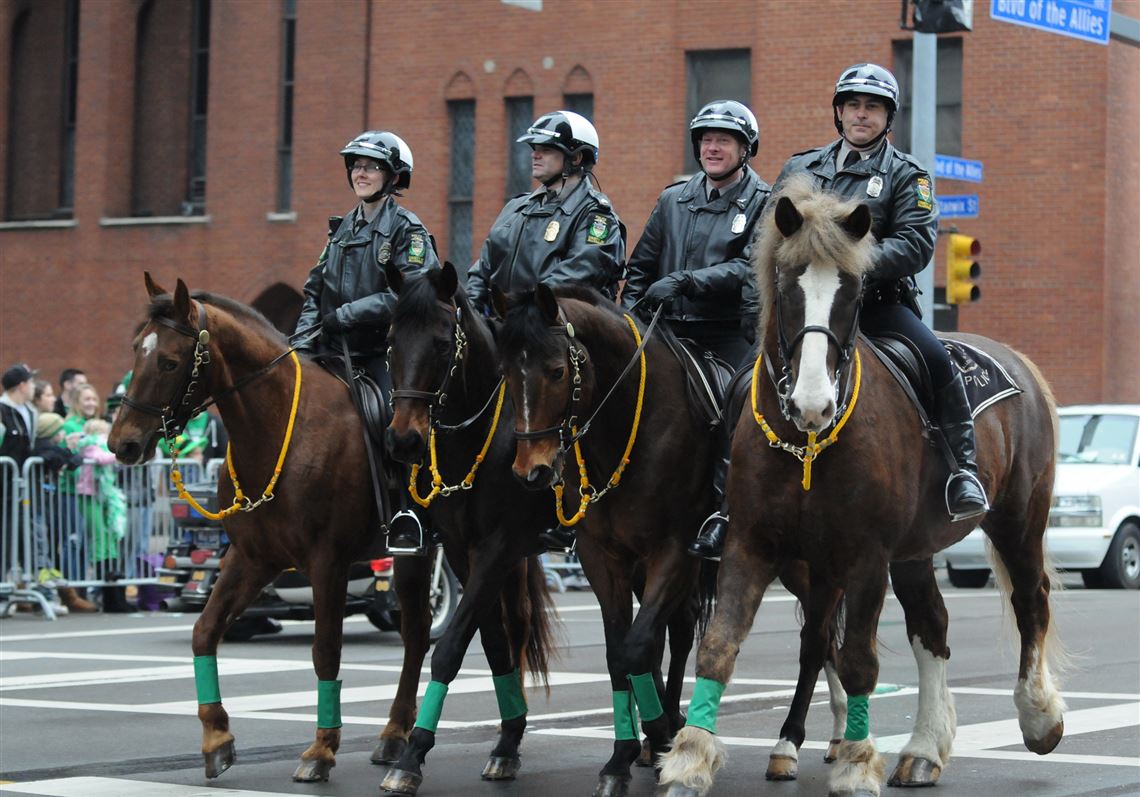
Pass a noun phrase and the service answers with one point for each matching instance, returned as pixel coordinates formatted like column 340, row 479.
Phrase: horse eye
column 557, row 373
column 168, row 365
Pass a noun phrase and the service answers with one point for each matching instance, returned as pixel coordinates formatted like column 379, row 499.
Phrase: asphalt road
column 103, row 706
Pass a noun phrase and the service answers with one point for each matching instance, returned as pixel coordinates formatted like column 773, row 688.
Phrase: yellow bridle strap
column 805, row 454
column 437, row 485
column 587, row 495
column 241, row 502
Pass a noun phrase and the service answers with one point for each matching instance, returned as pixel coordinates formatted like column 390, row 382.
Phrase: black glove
column 330, row 322
column 748, row 324
column 668, row 288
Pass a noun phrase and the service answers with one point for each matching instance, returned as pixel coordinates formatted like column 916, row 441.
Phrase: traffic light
column 962, row 269
column 943, row 16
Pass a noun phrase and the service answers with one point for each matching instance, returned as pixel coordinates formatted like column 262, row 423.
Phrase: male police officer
column 693, row 256
column 563, row 233
column 862, row 164
column 347, row 293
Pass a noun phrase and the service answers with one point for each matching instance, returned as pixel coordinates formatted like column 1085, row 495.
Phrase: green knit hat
column 48, row 424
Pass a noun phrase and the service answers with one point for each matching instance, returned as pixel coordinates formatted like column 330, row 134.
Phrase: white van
column 1094, row 525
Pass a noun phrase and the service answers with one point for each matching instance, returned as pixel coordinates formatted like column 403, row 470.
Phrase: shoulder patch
column 924, row 197
column 599, row 229
column 416, row 249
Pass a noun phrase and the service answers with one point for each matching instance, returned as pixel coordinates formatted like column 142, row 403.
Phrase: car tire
column 244, row 629
column 1092, row 579
column 444, row 602
column 968, row 579
column 1121, row 567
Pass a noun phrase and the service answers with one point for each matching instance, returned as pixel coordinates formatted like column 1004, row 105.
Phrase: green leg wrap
column 625, row 717
column 328, row 704
column 432, row 707
column 705, row 704
column 206, row 680
column 509, row 693
column 645, row 692
column 858, row 724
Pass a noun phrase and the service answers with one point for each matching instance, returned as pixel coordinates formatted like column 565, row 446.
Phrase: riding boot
column 965, row 496
column 559, row 538
column 709, row 543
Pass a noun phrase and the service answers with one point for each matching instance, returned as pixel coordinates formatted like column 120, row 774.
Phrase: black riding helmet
column 730, row 115
column 866, row 79
column 388, row 148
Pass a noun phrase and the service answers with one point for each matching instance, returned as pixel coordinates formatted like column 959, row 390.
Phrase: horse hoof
column 1046, row 744
column 388, row 751
column 612, row 786
column 645, row 758
column 315, row 770
column 914, row 772
column 782, row 767
column 401, row 782
column 501, row 767
column 832, row 751
column 218, row 761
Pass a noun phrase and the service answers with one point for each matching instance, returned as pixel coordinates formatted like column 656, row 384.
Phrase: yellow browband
column 437, row 485
column 587, row 494
column 812, row 450
column 241, row 502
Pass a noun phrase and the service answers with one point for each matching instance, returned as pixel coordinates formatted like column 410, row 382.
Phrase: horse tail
column 531, row 621
column 706, row 594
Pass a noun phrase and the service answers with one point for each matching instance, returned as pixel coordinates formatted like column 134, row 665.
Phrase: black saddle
column 374, row 409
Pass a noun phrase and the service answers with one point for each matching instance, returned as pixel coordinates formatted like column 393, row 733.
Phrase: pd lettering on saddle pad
column 986, row 381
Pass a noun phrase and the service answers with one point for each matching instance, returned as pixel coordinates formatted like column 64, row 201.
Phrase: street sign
column 958, row 207
column 1081, row 19
column 947, row 167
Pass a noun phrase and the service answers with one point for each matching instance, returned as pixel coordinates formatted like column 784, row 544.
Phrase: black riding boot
column 560, row 538
column 965, row 496
column 709, row 543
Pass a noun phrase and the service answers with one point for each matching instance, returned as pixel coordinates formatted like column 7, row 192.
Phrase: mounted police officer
column 565, row 232
column 347, row 295
column 862, row 164
column 694, row 257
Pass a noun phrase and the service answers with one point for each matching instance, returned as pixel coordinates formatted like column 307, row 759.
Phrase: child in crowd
column 101, row 502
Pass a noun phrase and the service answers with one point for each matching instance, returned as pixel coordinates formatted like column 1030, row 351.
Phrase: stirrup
column 554, row 539
column 410, row 539
column 709, row 542
column 956, row 516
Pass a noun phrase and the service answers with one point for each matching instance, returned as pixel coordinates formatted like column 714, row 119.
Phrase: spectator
column 69, row 379
column 105, row 510
column 84, row 403
column 17, row 415
column 43, row 399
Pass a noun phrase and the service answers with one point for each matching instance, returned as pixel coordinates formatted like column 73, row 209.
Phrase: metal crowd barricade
column 16, row 582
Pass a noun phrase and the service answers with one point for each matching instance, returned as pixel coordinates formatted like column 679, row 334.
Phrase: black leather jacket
column 904, row 213
column 576, row 239
column 349, row 276
column 709, row 240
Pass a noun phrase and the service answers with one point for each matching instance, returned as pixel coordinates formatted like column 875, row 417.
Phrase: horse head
column 811, row 257
column 426, row 347
column 170, row 350
column 549, row 377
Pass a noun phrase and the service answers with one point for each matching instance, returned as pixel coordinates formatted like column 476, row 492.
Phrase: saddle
column 706, row 377
column 374, row 409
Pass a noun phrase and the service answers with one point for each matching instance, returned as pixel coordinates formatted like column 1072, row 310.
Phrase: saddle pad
column 986, row 381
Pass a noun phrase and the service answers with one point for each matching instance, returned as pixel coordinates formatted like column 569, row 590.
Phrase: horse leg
column 239, row 582
column 504, row 762
column 927, row 752
column 688, row 768
column 682, row 628
column 819, row 602
column 412, row 575
column 1025, row 577
column 483, row 587
column 859, row 768
column 329, row 580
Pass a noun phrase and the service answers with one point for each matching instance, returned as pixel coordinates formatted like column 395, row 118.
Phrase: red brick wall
column 1053, row 119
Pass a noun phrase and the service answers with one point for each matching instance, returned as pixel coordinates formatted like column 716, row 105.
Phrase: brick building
column 199, row 138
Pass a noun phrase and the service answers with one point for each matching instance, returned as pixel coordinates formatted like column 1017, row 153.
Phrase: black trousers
column 877, row 317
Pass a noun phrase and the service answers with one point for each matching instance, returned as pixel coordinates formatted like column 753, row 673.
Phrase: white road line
column 120, row 787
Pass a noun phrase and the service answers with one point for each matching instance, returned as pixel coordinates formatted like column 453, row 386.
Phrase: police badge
column 738, row 224
column 875, row 186
column 384, row 253
column 551, row 232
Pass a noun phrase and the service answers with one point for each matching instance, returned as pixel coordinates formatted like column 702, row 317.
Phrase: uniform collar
column 823, row 164
column 694, row 190
column 567, row 203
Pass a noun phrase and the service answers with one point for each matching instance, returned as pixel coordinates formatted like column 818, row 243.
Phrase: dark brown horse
column 451, row 415
column 642, row 458
column 294, row 435
column 869, row 491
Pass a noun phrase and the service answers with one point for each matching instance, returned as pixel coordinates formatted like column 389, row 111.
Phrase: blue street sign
column 958, row 207
column 1081, row 19
column 950, row 168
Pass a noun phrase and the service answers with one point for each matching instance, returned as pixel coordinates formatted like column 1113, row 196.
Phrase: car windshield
column 1098, row 439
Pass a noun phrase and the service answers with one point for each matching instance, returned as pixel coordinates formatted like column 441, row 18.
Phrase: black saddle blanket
column 986, row 381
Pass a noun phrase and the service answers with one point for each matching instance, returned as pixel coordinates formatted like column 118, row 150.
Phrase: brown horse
column 849, row 504
column 293, row 428
column 449, row 409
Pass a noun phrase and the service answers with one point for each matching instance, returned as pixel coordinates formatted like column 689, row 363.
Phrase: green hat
column 48, row 424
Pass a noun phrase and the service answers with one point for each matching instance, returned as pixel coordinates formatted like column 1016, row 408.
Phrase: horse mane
column 820, row 240
column 524, row 324
column 163, row 305
column 418, row 300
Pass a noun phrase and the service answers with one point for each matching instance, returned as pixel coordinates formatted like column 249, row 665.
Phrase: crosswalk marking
column 120, row 787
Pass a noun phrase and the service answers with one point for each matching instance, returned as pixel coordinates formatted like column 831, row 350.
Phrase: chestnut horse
column 450, row 408
column 294, row 429
column 849, row 504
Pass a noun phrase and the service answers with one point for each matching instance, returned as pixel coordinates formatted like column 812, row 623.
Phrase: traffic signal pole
column 923, row 104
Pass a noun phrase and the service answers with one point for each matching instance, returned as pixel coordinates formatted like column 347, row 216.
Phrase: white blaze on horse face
column 148, row 344
column 814, row 395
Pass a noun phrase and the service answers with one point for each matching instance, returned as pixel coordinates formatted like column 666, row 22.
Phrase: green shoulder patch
column 598, row 229
column 924, row 196
column 416, row 249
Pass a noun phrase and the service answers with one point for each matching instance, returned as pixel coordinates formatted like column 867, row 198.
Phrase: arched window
column 281, row 304
column 460, row 95
column 578, row 92
column 519, row 102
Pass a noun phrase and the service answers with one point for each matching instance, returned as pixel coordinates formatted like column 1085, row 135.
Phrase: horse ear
column 449, row 282
column 547, row 304
column 394, row 276
column 153, row 288
column 788, row 219
column 181, row 301
column 499, row 302
column 858, row 222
